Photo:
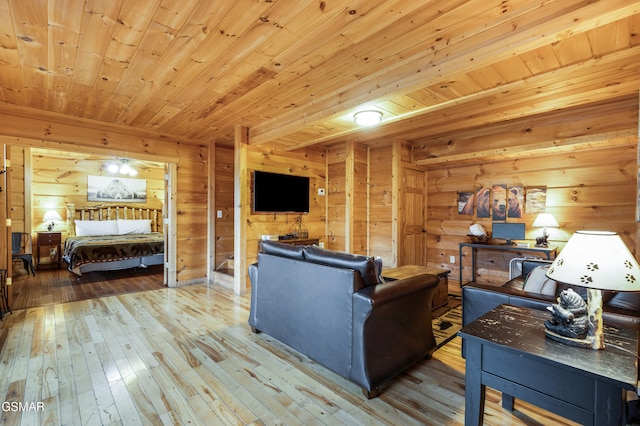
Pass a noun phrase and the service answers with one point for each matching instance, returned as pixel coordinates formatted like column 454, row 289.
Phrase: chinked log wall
column 585, row 157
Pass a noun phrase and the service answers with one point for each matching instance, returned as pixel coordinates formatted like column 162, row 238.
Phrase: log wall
column 60, row 178
column 590, row 177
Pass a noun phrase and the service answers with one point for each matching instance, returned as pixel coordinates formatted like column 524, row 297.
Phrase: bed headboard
column 111, row 212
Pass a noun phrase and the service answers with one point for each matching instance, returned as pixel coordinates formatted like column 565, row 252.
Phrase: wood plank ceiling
column 294, row 72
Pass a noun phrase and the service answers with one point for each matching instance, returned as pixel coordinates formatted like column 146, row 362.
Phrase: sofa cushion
column 624, row 300
column 538, row 282
column 283, row 250
column 365, row 265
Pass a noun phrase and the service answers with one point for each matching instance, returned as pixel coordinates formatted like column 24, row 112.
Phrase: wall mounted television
column 508, row 232
column 280, row 193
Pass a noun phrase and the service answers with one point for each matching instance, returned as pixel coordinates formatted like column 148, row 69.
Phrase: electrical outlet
column 452, row 259
column 219, row 214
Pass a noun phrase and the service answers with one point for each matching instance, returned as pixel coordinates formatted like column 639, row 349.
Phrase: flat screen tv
column 508, row 232
column 280, row 193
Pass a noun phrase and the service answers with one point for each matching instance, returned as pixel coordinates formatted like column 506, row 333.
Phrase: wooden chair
column 22, row 248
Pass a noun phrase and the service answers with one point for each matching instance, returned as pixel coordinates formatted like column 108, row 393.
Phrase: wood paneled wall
column 224, row 203
column 311, row 163
column 591, row 179
column 59, row 178
column 23, row 127
column 348, row 197
column 19, row 206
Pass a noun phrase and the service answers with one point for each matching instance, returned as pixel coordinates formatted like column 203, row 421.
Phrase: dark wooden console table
column 548, row 252
column 441, row 295
column 506, row 349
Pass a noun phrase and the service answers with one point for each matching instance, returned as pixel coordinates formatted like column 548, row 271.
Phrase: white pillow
column 538, row 282
column 134, row 226
column 96, row 227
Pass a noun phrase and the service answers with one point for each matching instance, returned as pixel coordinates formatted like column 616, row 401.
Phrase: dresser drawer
column 49, row 238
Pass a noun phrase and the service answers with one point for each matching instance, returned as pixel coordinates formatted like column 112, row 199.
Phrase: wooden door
column 414, row 225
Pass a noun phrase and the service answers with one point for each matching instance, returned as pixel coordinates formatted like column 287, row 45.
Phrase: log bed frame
column 111, row 212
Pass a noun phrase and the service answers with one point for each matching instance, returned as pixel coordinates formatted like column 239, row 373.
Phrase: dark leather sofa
column 622, row 309
column 332, row 307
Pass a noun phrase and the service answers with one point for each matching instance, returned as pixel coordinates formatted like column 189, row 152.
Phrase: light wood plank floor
column 51, row 286
column 187, row 356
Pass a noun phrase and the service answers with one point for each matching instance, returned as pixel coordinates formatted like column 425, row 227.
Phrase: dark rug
column 447, row 325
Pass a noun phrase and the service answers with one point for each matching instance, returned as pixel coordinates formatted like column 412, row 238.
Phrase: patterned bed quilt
column 79, row 251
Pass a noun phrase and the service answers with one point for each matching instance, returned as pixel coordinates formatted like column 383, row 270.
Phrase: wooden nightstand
column 53, row 256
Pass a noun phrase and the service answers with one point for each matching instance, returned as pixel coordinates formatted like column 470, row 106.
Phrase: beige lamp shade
column 51, row 215
column 596, row 260
column 545, row 220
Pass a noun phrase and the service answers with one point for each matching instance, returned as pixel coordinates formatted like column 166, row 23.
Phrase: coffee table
column 506, row 349
column 440, row 296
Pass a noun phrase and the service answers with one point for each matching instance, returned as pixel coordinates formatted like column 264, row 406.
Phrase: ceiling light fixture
column 123, row 168
column 367, row 117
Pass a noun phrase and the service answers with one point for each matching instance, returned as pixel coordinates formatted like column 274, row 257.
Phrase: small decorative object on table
column 298, row 230
column 478, row 234
column 544, row 220
column 570, row 317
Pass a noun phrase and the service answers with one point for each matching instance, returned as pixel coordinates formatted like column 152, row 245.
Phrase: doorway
column 46, row 180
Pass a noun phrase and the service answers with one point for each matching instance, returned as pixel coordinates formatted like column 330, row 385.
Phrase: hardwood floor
column 59, row 285
column 187, row 356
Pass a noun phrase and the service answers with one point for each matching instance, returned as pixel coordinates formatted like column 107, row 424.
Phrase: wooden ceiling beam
column 551, row 22
column 572, row 144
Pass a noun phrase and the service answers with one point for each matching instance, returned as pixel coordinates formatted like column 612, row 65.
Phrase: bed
column 110, row 237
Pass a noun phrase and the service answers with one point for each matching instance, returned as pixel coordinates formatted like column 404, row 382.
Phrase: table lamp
column 596, row 260
column 544, row 221
column 51, row 216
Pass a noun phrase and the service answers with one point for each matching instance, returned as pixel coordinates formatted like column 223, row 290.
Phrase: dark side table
column 506, row 349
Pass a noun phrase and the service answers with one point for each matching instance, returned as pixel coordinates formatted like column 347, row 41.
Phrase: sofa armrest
column 478, row 299
column 391, row 328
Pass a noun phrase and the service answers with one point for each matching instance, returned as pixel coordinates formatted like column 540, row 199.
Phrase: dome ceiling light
column 367, row 117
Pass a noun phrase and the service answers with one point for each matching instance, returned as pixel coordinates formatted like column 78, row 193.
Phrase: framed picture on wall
column 499, row 202
column 465, row 202
column 536, row 200
column 483, row 205
column 515, row 201
column 118, row 189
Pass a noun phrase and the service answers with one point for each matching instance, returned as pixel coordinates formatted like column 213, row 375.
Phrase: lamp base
column 564, row 318
column 583, row 343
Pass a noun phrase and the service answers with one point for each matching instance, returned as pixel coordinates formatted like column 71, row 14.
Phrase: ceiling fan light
column 367, row 117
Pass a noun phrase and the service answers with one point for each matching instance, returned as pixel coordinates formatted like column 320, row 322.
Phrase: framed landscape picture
column 107, row 188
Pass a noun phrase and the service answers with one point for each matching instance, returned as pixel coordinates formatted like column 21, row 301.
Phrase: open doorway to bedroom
column 45, row 183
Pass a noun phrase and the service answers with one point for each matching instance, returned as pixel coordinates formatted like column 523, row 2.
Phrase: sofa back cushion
column 290, row 251
column 365, row 265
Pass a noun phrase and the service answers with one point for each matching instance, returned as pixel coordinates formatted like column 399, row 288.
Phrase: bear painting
column 515, row 201
column 499, row 202
column 483, row 205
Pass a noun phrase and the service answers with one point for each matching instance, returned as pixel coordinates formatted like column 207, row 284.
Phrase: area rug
column 447, row 325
